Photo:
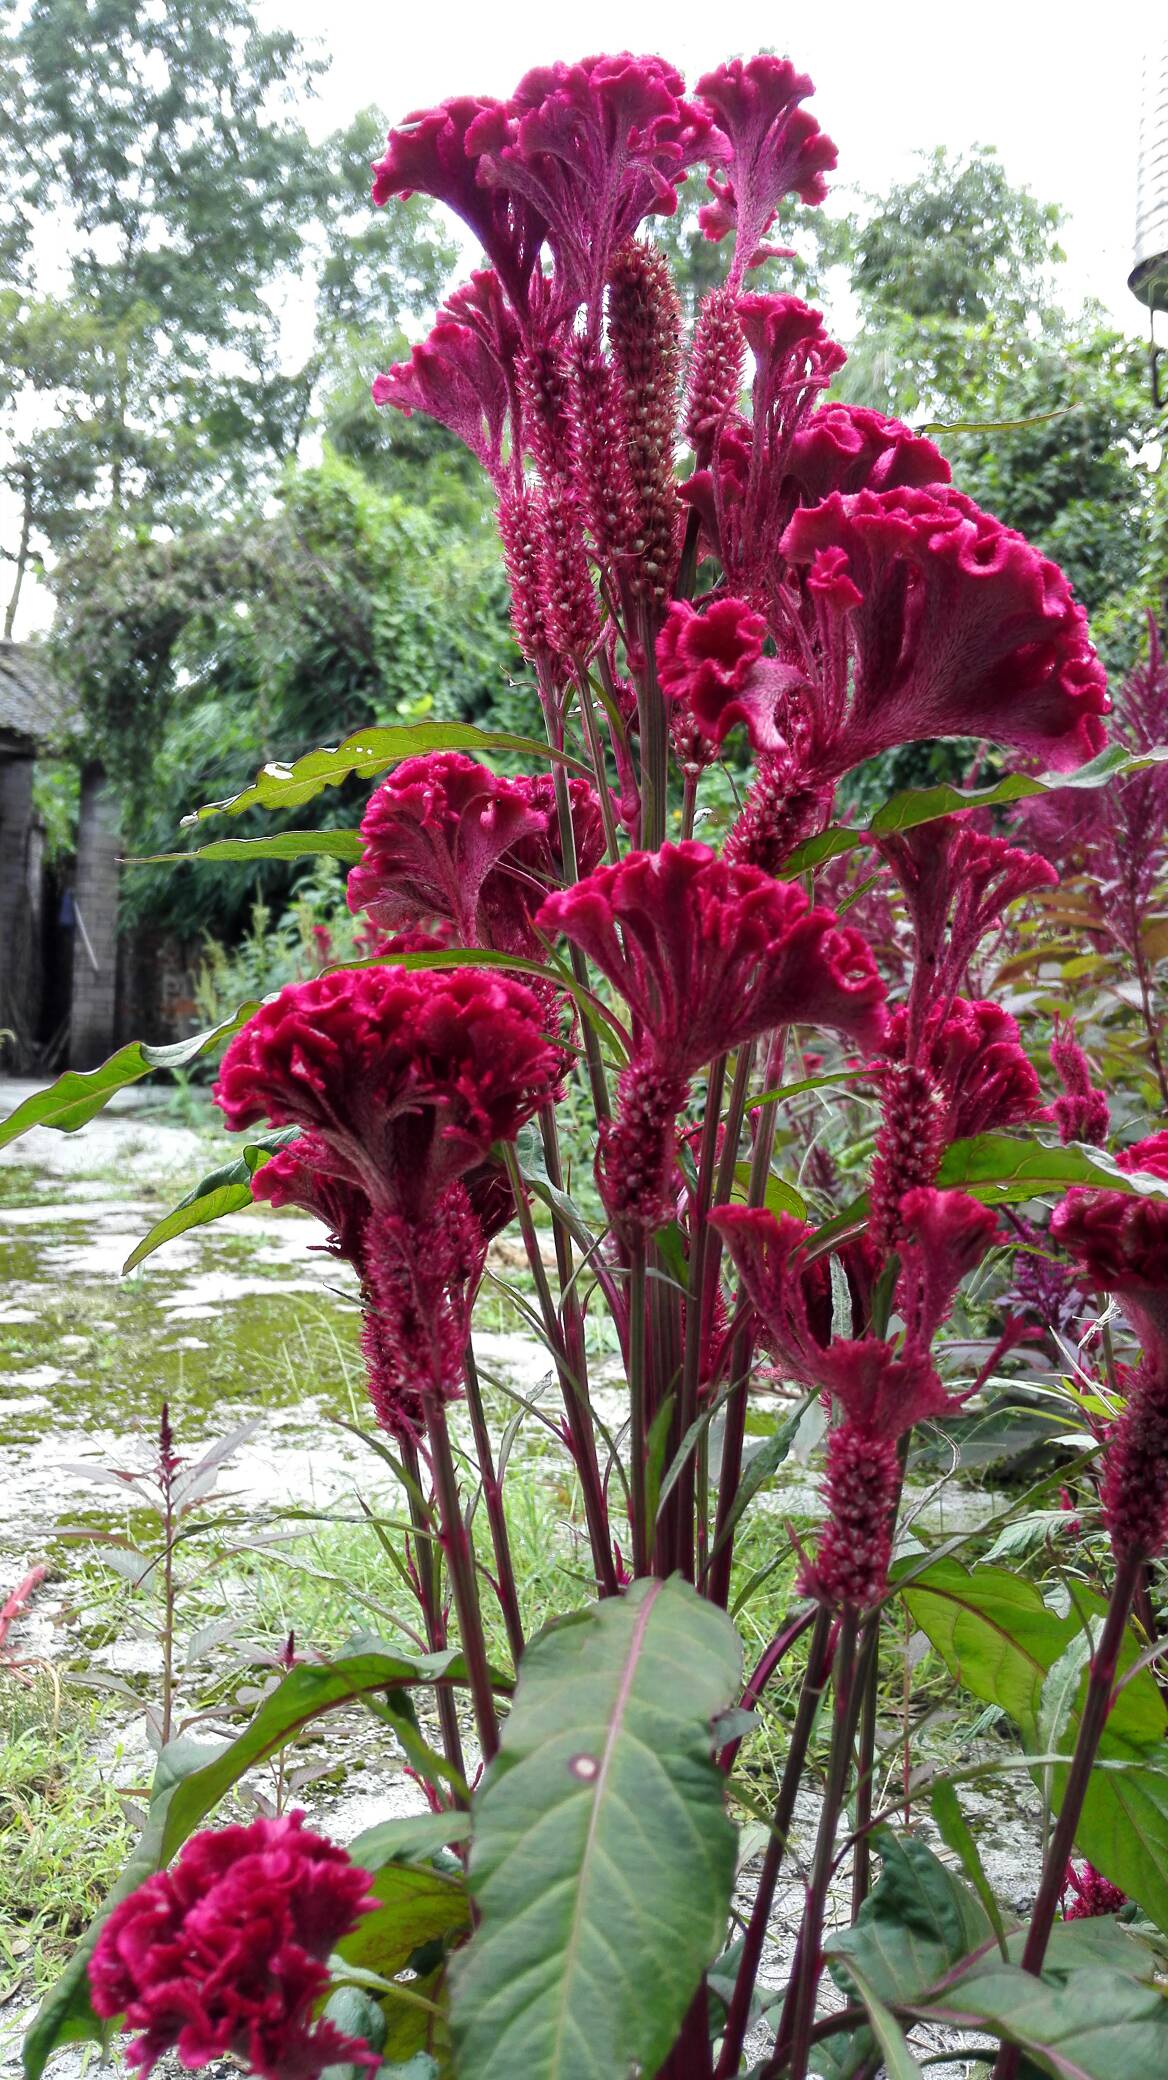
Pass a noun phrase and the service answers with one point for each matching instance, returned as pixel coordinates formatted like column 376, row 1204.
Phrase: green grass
column 64, row 1830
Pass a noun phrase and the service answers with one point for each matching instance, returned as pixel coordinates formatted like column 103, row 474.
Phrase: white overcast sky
column 1055, row 87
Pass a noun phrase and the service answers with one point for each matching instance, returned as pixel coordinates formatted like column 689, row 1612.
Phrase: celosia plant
column 710, row 560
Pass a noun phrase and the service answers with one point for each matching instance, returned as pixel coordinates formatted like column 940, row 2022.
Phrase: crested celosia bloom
column 446, row 838
column 768, row 145
column 1120, row 1240
column 880, row 1391
column 1091, row 1894
column 454, row 378
column 954, row 626
column 428, row 154
column 706, row 956
column 958, row 882
column 1081, row 1110
column 224, row 1955
column 592, row 149
column 407, row 1078
column 850, row 447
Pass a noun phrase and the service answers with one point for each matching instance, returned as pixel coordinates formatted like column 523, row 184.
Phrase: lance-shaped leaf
column 603, row 1856
column 370, row 751
column 1092, row 2024
column 342, row 845
column 79, row 1094
column 916, row 805
column 226, row 1190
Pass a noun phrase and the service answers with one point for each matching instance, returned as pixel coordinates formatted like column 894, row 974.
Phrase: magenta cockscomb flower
column 454, row 378
column 591, row 149
column 958, row 882
column 706, row 956
column 1120, row 1241
column 961, row 629
column 406, row 1078
column 973, row 1052
column 224, row 1955
column 879, row 1390
column 849, row 447
column 1091, row 1894
column 1081, row 1110
column 428, row 154
column 446, row 838
column 769, row 147
column 706, row 660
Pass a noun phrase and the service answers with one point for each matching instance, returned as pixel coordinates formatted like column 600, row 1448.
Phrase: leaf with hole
column 603, row 1856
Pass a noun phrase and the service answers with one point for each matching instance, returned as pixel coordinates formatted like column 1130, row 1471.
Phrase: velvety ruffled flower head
column 592, row 149
column 944, row 1236
column 958, row 883
column 454, row 378
column 973, row 1052
column 446, row 838
column 301, row 1175
column 1121, row 1241
column 1090, row 1893
column 429, row 154
column 706, row 956
column 706, row 661
column 224, row 1955
column 770, row 147
column 960, row 628
column 407, row 1078
column 848, row 447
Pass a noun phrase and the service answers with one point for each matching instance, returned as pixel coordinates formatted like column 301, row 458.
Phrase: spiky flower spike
column 644, row 329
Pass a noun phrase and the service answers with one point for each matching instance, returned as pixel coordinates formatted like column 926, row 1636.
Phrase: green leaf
column 65, row 2015
column 918, row 1921
column 416, row 1906
column 955, row 1832
column 996, row 1168
column 993, row 1631
column 603, row 1857
column 342, row 845
column 781, row 1197
column 76, row 1096
column 418, row 1835
column 1093, row 2024
column 367, row 752
column 301, row 1696
column 758, row 1469
column 917, row 805
column 226, row 1190
column 899, row 2063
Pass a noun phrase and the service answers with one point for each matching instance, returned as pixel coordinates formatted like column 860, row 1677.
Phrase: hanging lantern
column 1149, row 277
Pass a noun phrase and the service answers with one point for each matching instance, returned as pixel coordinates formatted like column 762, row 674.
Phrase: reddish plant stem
column 598, row 1082
column 768, row 1663
column 699, row 1242
column 738, row 2017
column 692, row 2057
column 574, row 1379
column 734, row 1431
column 596, row 757
column 805, row 1980
column 868, row 1679
column 493, row 1498
column 654, row 738
column 637, row 1410
column 460, row 1560
column 14, row 1604
column 581, row 1440
column 1096, row 1706
column 428, row 1570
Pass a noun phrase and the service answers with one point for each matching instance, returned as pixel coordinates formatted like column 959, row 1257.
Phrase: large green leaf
column 301, row 1696
column 916, row 1924
column 226, row 1190
column 65, row 2015
column 367, row 752
column 1093, row 2024
column 992, row 1630
column 1000, row 1167
column 603, row 1856
column 416, row 1906
column 76, row 1096
column 917, row 805
column 342, row 845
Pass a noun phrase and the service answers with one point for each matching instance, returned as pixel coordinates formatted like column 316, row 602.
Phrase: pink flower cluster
column 224, row 1955
column 401, row 1083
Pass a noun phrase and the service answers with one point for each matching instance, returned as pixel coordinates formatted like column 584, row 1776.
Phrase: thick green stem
column 460, row 1560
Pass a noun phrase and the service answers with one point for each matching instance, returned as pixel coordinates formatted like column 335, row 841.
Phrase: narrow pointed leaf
column 226, row 1190
column 367, row 752
column 79, row 1094
column 342, row 845
column 603, row 1856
